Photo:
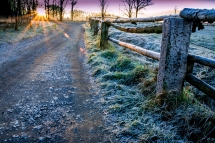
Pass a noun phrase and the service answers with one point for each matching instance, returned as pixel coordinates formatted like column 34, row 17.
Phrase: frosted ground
column 202, row 44
column 131, row 110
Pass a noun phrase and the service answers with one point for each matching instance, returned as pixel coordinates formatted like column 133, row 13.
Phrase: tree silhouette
column 141, row 4
column 73, row 3
column 103, row 6
column 175, row 9
column 5, row 8
column 128, row 7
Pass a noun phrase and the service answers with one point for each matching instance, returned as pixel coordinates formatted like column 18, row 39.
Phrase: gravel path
column 46, row 94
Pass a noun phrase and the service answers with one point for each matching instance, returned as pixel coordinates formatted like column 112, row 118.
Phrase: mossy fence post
column 96, row 27
column 173, row 57
column 104, row 34
column 91, row 23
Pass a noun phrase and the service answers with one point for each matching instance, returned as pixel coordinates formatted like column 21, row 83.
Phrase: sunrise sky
column 160, row 7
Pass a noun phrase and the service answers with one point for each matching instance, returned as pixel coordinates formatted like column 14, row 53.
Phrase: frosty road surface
column 46, row 94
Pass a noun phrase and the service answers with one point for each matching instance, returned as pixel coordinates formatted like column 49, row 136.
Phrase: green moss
column 109, row 54
column 99, row 71
column 122, row 64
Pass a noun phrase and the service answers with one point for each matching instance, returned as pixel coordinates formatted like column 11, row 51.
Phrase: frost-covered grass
column 202, row 43
column 204, row 38
column 133, row 112
column 9, row 35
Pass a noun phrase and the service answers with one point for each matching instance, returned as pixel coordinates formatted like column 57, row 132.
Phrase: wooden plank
column 148, row 53
column 202, row 60
column 198, row 14
column 201, row 85
column 148, row 29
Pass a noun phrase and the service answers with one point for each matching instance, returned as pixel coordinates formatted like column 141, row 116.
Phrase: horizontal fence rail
column 202, row 60
column 148, row 53
column 128, row 20
column 198, row 14
column 201, row 85
column 150, row 19
column 148, row 29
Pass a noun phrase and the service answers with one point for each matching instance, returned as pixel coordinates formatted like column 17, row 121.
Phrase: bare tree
column 62, row 5
column 103, row 6
column 141, row 4
column 73, row 3
column 175, row 9
column 128, row 7
column 47, row 7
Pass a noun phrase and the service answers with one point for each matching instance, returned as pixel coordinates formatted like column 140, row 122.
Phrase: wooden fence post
column 104, row 34
column 90, row 22
column 96, row 27
column 173, row 57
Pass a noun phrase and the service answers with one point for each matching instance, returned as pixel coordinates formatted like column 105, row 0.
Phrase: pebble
column 10, row 110
column 37, row 127
column 41, row 138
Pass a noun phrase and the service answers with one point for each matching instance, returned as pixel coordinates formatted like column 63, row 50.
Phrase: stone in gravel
column 10, row 110
column 41, row 138
column 15, row 136
column 55, row 98
column 39, row 127
column 15, row 123
column 38, row 116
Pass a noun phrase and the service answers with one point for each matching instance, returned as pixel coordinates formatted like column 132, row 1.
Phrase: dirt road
column 46, row 94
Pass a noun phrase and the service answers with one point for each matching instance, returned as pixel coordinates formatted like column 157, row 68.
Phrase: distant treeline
column 27, row 9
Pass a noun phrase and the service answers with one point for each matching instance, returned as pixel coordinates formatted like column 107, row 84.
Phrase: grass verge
column 9, row 35
column 133, row 112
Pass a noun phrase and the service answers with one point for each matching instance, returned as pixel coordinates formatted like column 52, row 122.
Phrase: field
column 128, row 80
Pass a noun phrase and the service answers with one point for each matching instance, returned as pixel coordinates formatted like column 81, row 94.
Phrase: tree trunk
column 72, row 13
column 16, row 23
column 136, row 12
column 61, row 10
column 48, row 10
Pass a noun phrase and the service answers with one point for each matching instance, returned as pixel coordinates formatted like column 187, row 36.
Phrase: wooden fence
column 175, row 64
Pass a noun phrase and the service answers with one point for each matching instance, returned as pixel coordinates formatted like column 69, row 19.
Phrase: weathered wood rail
column 142, row 51
column 148, row 29
column 175, row 64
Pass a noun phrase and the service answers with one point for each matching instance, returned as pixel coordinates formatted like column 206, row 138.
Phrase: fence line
column 175, row 64
column 150, row 19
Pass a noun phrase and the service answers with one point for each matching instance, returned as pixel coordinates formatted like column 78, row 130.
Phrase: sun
column 41, row 11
